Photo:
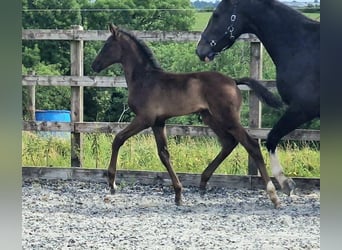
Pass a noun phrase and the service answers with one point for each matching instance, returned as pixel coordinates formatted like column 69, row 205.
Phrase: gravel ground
column 79, row 215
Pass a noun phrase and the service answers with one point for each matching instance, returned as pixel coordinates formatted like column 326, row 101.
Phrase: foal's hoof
column 179, row 202
column 202, row 191
column 203, row 188
column 289, row 186
column 112, row 190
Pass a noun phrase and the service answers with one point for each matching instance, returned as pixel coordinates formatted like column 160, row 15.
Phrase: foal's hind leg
column 253, row 148
column 291, row 120
column 160, row 136
column 133, row 128
column 228, row 143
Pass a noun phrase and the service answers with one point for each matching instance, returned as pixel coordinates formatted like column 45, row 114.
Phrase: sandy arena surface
column 80, row 215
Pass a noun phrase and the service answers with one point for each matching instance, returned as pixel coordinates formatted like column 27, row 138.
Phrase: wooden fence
column 76, row 81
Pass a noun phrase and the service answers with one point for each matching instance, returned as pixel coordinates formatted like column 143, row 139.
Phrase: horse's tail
column 262, row 92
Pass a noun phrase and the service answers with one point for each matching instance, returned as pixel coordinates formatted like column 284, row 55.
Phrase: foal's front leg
column 160, row 136
column 133, row 128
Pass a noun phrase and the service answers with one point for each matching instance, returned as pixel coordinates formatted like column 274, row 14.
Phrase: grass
column 188, row 154
column 314, row 16
column 202, row 19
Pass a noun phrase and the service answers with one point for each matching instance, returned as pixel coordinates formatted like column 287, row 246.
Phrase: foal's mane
column 144, row 49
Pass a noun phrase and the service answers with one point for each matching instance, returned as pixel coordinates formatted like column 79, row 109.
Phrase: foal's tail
column 263, row 93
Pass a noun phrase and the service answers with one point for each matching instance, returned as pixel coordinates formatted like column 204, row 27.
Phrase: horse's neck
column 277, row 29
column 134, row 65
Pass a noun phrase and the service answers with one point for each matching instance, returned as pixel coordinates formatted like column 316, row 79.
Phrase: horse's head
column 111, row 51
column 224, row 26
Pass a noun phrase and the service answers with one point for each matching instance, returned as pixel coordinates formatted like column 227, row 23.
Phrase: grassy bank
column 188, row 154
column 202, row 19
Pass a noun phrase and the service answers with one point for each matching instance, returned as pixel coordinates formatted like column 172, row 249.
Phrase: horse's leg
column 133, row 128
column 164, row 155
column 228, row 143
column 253, row 148
column 291, row 120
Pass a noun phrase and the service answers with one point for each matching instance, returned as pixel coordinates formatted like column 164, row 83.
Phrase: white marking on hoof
column 277, row 169
column 271, row 191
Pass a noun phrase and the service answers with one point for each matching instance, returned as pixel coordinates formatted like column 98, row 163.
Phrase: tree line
column 110, row 104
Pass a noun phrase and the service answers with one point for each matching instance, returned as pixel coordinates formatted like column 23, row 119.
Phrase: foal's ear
column 113, row 29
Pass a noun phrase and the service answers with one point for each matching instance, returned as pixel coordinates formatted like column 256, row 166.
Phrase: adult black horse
column 293, row 42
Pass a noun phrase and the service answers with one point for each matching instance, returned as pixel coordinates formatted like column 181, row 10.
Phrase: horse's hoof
column 289, row 186
column 112, row 190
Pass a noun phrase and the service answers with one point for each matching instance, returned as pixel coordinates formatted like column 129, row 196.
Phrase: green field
column 201, row 21
column 188, row 154
column 203, row 17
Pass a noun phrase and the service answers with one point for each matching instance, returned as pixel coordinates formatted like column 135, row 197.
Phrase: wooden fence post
column 76, row 59
column 254, row 103
column 32, row 99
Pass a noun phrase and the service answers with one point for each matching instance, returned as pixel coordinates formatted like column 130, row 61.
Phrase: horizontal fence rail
column 102, row 35
column 96, row 81
column 185, row 130
column 76, row 35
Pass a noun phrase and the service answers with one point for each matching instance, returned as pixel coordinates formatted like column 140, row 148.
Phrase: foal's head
column 111, row 52
column 123, row 46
